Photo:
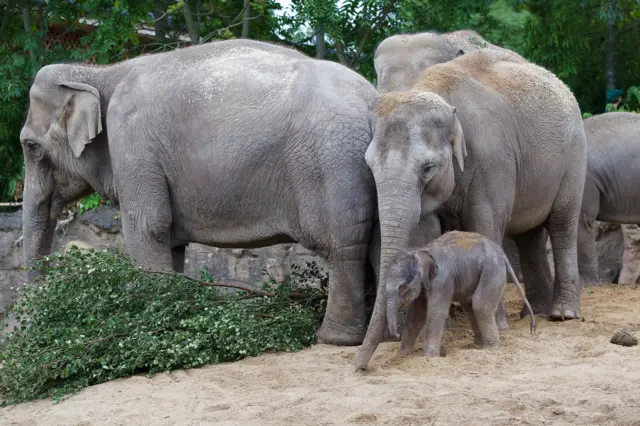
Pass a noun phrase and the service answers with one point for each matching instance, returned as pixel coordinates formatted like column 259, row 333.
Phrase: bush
column 94, row 317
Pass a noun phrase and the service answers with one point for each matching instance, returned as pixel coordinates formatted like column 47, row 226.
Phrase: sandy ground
column 566, row 374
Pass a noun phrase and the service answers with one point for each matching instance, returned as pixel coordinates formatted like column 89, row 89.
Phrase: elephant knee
column 159, row 229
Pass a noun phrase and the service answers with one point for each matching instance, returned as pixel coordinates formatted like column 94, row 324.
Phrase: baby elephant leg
column 437, row 312
column 485, row 301
column 416, row 317
column 477, row 334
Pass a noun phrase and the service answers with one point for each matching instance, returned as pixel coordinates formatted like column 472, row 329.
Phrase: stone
column 105, row 218
column 624, row 337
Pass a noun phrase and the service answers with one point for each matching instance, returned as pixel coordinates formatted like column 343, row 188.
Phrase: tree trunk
column 246, row 19
column 611, row 46
column 192, row 26
column 321, row 47
column 161, row 23
column 4, row 23
column 26, row 19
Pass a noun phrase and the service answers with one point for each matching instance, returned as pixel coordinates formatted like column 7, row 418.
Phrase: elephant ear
column 428, row 266
column 82, row 117
column 457, row 141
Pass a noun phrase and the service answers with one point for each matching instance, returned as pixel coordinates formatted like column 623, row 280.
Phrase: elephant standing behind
column 516, row 132
column 611, row 191
column 234, row 144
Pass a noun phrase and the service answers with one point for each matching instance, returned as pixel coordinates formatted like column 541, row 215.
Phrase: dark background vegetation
column 590, row 44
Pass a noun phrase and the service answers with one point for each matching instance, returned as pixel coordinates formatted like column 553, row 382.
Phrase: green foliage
column 90, row 202
column 95, row 317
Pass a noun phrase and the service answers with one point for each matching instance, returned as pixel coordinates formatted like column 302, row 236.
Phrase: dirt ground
column 566, row 374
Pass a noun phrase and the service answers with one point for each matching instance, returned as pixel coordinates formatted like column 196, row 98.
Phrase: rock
column 105, row 218
column 11, row 221
column 624, row 337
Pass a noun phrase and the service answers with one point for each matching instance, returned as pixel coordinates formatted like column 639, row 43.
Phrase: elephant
column 501, row 117
column 233, row 143
column 400, row 59
column 462, row 267
column 610, row 192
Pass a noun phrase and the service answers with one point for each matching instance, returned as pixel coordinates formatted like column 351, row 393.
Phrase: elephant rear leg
column 485, row 301
column 563, row 231
column 536, row 272
column 587, row 252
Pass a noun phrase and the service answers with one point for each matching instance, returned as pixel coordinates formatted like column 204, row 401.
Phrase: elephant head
column 405, row 278
column 417, row 135
column 64, row 117
column 399, row 60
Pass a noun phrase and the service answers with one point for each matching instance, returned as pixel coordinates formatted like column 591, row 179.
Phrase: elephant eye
column 428, row 171
column 33, row 149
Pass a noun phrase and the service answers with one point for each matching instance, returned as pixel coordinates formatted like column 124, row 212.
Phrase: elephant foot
column 431, row 353
column 564, row 311
column 539, row 307
column 332, row 333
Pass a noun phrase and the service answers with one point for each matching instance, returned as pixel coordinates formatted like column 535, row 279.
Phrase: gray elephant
column 516, row 133
column 399, row 60
column 233, row 144
column 610, row 190
column 462, row 267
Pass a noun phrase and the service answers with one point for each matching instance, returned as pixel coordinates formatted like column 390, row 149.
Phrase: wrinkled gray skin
column 611, row 187
column 461, row 267
column 502, row 118
column 233, row 144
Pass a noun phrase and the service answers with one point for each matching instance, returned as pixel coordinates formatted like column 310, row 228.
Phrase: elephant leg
column 416, row 317
column 487, row 219
column 563, row 231
column 536, row 271
column 344, row 322
column 146, row 220
column 477, row 334
column 177, row 258
column 587, row 248
column 437, row 312
column 485, row 301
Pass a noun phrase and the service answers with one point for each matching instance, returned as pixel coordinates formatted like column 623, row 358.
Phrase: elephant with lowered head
column 234, row 144
column 515, row 131
column 399, row 60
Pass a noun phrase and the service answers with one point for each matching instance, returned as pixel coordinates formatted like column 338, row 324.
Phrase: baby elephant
column 462, row 267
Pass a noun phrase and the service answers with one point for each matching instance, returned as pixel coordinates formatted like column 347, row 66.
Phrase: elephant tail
column 522, row 293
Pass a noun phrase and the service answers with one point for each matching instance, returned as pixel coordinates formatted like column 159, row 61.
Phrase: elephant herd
column 242, row 143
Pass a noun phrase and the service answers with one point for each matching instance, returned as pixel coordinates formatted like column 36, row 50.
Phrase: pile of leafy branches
column 94, row 317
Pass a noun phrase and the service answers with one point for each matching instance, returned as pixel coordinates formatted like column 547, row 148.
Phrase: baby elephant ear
column 427, row 266
column 81, row 116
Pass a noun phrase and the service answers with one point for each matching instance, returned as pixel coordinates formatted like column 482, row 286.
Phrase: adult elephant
column 399, row 60
column 516, row 132
column 234, row 144
column 610, row 190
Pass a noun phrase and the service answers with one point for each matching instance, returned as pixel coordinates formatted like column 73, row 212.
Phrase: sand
column 568, row 373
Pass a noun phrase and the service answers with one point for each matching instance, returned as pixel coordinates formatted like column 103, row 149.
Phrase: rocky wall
column 100, row 228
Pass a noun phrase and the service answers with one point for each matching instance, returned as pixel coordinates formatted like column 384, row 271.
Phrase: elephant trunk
column 39, row 218
column 392, row 315
column 399, row 212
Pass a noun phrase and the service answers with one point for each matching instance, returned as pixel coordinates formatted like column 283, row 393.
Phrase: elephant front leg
column 344, row 322
column 416, row 317
column 534, row 263
column 437, row 313
column 146, row 225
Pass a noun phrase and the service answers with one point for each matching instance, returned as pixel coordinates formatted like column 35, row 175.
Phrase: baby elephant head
column 406, row 275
